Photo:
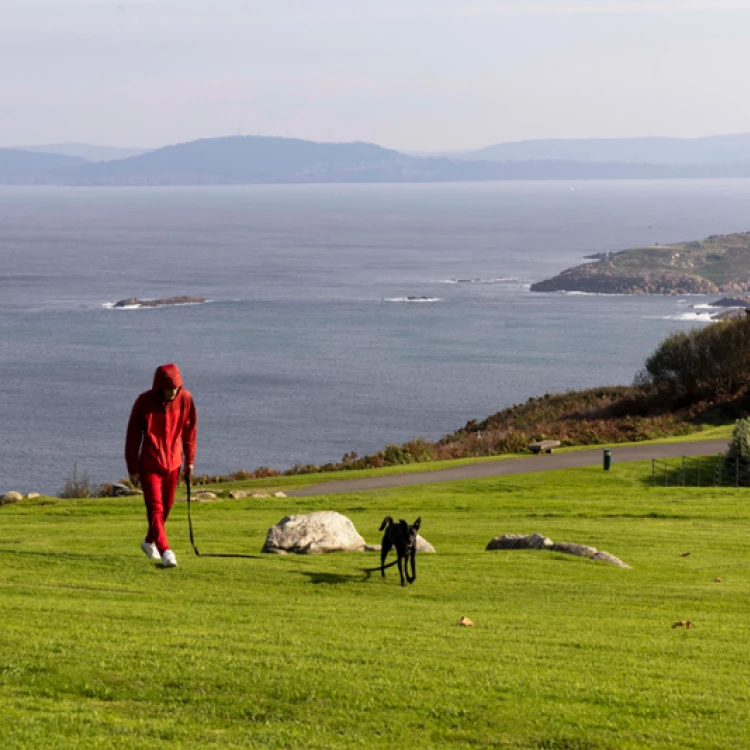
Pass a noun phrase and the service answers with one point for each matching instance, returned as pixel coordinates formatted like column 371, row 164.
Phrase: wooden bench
column 544, row 446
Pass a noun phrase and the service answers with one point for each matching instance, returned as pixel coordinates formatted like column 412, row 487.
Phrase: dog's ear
column 417, row 523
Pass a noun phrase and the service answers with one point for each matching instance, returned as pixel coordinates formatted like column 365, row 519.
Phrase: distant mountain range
column 29, row 168
column 716, row 149
column 255, row 159
column 87, row 151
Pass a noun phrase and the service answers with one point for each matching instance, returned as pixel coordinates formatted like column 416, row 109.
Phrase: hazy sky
column 408, row 74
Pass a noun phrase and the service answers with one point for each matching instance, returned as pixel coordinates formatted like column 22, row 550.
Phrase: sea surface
column 309, row 346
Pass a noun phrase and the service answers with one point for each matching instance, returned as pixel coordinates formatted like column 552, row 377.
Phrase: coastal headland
column 719, row 263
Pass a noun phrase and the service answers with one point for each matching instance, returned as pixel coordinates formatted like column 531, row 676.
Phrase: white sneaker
column 149, row 549
column 168, row 560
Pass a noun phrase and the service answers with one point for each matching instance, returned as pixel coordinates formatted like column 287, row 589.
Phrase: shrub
column 76, row 486
column 708, row 362
column 739, row 447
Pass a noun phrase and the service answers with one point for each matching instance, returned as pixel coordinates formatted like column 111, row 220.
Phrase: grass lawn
column 102, row 648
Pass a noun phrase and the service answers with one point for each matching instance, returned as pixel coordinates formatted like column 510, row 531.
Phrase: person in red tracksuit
column 161, row 436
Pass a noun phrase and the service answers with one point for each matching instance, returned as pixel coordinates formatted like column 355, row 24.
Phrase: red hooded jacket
column 161, row 432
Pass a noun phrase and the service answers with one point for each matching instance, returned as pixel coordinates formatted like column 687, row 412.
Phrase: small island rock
column 135, row 302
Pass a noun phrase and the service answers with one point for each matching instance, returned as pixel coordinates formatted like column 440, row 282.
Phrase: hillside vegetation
column 719, row 263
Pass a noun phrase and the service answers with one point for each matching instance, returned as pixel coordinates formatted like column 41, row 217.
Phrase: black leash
column 374, row 570
column 192, row 538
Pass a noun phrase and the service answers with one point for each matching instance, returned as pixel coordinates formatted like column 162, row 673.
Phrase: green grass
column 101, row 648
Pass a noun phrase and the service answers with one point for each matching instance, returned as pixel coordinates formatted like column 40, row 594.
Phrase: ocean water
column 310, row 346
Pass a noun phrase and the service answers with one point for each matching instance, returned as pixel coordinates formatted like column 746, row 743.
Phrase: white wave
column 412, row 299
column 694, row 317
column 493, row 280
column 111, row 306
column 594, row 294
column 114, row 306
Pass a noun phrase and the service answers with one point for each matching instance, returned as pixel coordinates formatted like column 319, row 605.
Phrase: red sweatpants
column 158, row 492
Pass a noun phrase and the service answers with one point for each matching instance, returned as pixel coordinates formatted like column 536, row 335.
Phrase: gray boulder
column 603, row 556
column 580, row 550
column 537, row 541
column 314, row 533
column 519, row 541
column 10, row 497
column 122, row 490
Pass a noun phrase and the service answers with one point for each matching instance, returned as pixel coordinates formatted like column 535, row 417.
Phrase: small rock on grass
column 279, row 494
column 238, row 494
column 520, row 541
column 32, row 495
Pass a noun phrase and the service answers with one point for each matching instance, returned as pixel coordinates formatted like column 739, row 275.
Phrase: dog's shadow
column 333, row 578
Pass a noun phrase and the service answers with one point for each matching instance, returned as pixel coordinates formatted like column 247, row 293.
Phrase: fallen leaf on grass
column 465, row 622
column 718, row 580
column 683, row 624
column 684, row 554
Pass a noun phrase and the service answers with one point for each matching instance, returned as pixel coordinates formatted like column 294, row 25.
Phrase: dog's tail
column 387, row 521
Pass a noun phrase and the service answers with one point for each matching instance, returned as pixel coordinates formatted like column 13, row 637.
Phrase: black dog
column 404, row 538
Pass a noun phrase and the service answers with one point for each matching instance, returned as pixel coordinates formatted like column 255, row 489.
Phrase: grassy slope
column 720, row 259
column 101, row 648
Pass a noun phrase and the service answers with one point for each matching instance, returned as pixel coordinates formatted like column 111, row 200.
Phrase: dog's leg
column 402, row 559
column 384, row 550
column 413, row 577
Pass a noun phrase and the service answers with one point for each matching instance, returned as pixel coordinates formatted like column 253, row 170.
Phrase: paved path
column 574, row 459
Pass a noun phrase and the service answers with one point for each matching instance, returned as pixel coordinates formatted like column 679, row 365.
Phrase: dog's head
column 410, row 533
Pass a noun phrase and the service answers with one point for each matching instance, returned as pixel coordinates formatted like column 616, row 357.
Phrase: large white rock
column 423, row 545
column 314, row 533
column 11, row 497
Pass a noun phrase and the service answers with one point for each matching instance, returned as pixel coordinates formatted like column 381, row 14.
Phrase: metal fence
column 706, row 471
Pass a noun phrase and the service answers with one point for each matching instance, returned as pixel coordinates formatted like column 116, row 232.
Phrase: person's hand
column 135, row 479
column 189, row 471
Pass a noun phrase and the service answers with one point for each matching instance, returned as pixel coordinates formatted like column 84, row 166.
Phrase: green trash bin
column 607, row 459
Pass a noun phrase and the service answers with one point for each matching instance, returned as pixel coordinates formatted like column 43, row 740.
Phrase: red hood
column 167, row 376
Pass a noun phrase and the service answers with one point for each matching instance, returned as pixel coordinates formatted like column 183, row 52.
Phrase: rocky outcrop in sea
column 136, row 302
